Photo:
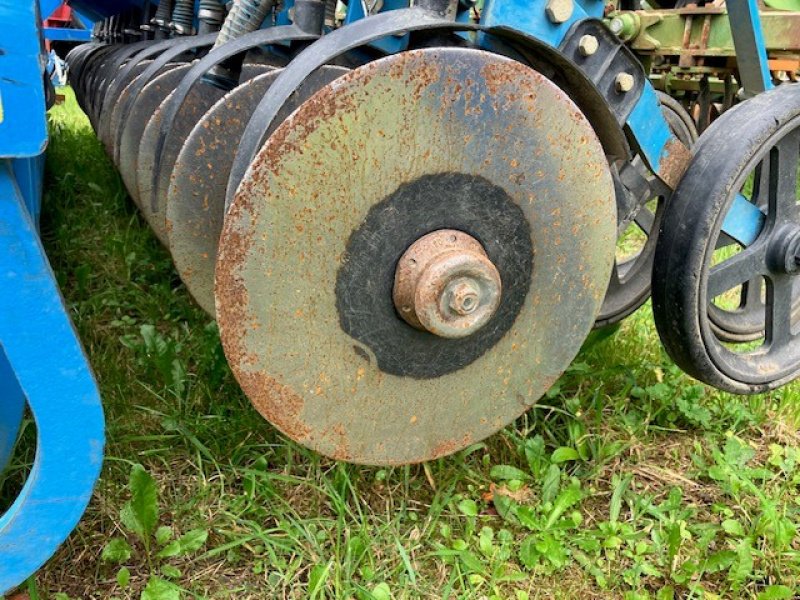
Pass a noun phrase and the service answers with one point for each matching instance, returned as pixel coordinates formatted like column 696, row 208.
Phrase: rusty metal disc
column 196, row 201
column 415, row 143
column 130, row 138
column 200, row 99
column 104, row 127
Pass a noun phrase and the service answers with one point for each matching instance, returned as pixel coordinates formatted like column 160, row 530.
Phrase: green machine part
column 699, row 35
column 689, row 51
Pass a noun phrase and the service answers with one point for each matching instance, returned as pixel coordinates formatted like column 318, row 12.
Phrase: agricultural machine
column 407, row 219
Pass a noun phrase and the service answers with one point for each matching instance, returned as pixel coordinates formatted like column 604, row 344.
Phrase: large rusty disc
column 195, row 205
column 420, row 142
column 152, row 200
column 141, row 113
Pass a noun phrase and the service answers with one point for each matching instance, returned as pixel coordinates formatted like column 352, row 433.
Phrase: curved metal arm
column 51, row 368
column 12, row 403
column 272, row 35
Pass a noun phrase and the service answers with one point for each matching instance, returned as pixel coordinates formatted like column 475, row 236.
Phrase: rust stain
column 277, row 403
column 674, row 162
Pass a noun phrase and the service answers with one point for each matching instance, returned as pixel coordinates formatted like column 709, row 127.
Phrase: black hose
column 211, row 16
column 183, row 17
column 245, row 16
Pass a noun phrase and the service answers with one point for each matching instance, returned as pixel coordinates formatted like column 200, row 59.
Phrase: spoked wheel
column 415, row 256
column 699, row 270
column 630, row 282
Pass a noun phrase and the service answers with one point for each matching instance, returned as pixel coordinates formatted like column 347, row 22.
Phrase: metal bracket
column 605, row 64
column 751, row 50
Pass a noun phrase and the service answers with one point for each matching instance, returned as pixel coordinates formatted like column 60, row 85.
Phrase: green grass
column 628, row 480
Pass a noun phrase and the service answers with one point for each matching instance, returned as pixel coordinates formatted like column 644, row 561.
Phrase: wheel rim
column 759, row 261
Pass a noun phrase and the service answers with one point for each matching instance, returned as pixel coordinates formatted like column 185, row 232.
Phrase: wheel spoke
column 760, row 194
column 783, row 178
column 751, row 294
column 735, row 271
column 616, row 276
column 645, row 219
column 780, row 295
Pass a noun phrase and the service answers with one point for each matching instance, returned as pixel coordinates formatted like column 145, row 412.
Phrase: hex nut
column 559, row 11
column 624, row 82
column 588, row 45
column 616, row 25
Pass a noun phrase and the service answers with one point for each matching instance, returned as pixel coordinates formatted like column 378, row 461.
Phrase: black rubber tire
column 724, row 156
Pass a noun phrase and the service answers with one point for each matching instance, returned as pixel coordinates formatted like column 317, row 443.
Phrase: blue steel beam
column 23, row 125
column 52, row 371
column 48, row 7
column 41, row 359
column 61, row 34
column 751, row 51
column 11, row 407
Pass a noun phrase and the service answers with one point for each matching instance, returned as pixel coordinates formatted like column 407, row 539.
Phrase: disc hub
column 784, row 255
column 445, row 284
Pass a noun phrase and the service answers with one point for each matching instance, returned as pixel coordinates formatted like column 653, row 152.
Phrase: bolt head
column 559, row 11
column 465, row 297
column 624, row 83
column 588, row 45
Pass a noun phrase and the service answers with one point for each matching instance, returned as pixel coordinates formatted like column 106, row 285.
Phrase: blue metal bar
column 646, row 124
column 11, row 407
column 61, row 34
column 29, row 174
column 751, row 50
column 87, row 23
column 41, row 360
column 49, row 364
column 23, row 125
column 48, row 7
column 530, row 18
column 744, row 221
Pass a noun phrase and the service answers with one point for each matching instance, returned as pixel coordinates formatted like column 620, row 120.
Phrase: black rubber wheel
column 695, row 264
column 629, row 288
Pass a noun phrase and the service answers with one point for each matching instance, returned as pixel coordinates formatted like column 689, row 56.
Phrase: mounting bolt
column 465, row 297
column 624, row 83
column 559, row 11
column 588, row 45
column 616, row 25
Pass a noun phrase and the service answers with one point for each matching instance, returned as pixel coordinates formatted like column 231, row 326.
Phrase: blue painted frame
column 646, row 123
column 52, row 372
column 751, row 49
column 61, row 34
column 41, row 360
column 11, row 407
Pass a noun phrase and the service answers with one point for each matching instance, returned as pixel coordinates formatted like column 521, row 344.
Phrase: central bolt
column 446, row 285
column 464, row 297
